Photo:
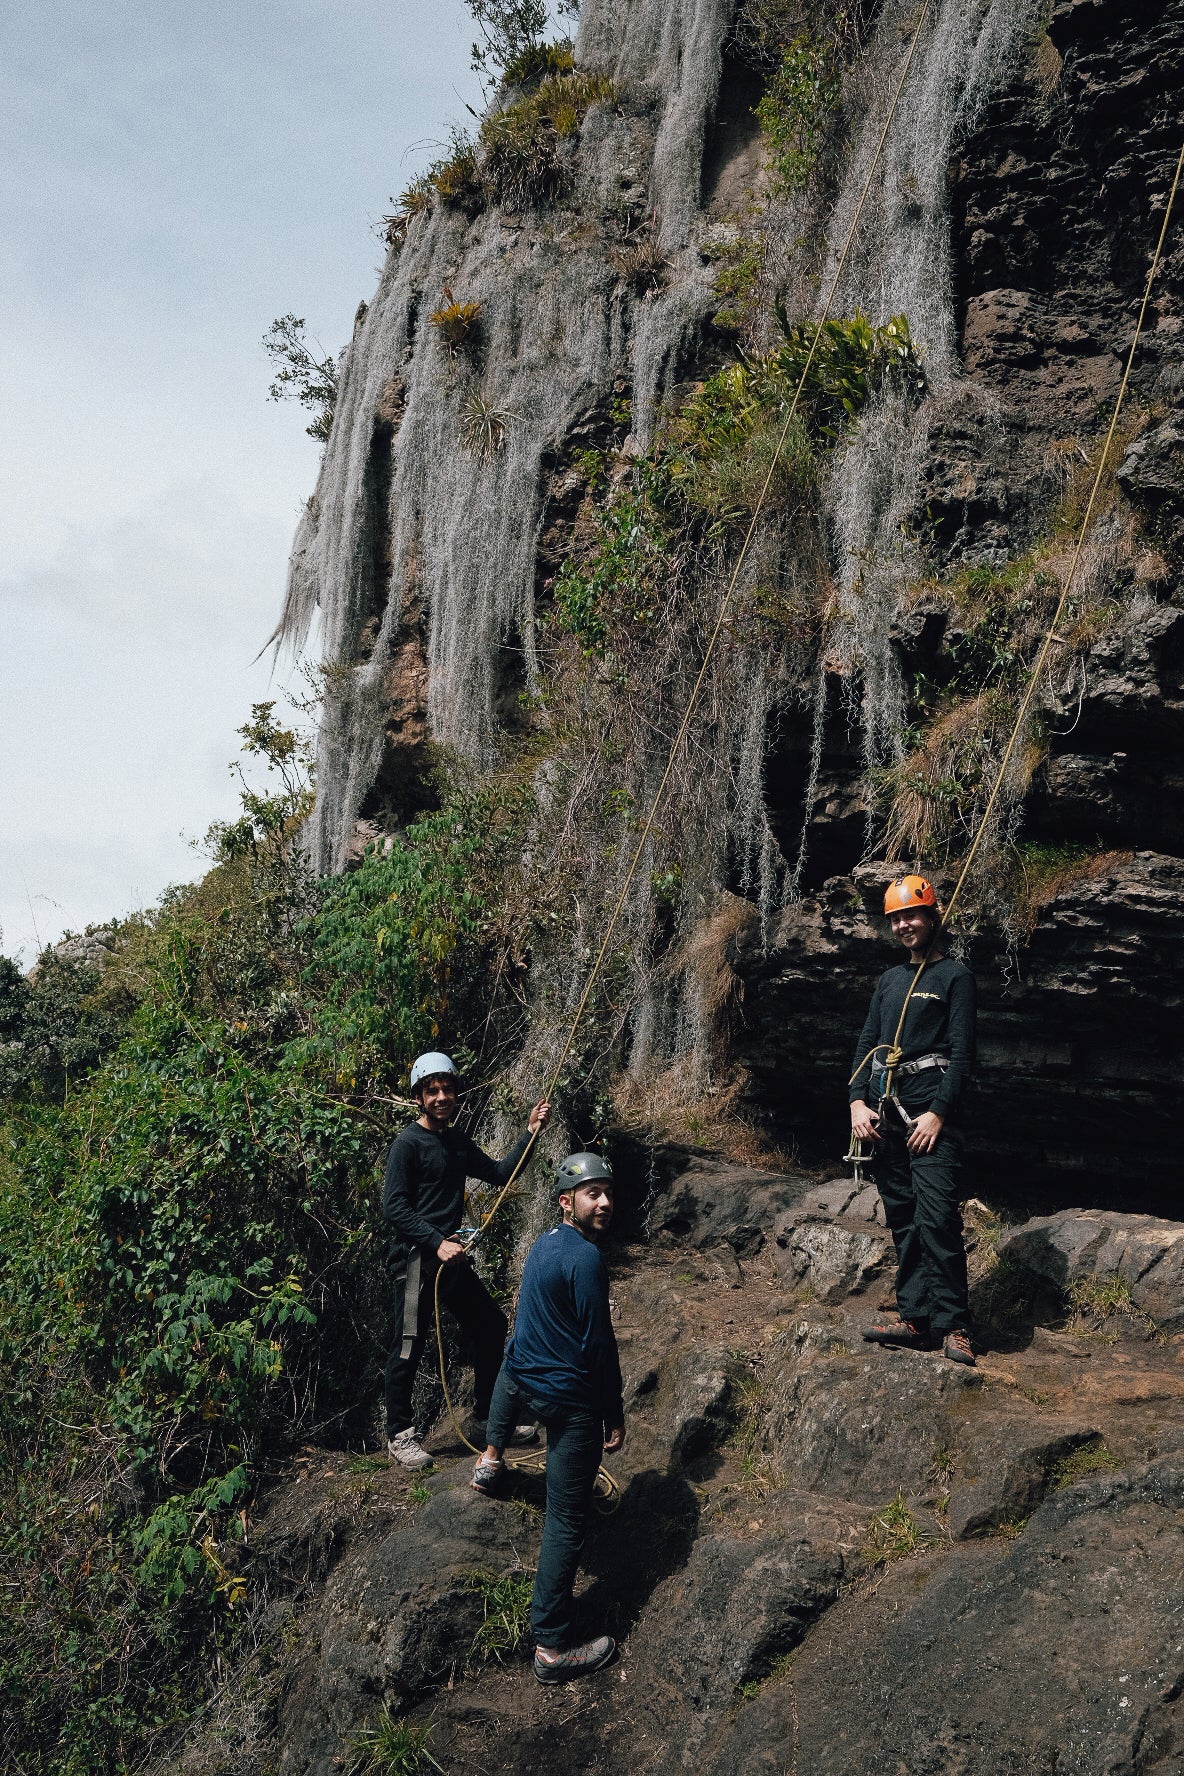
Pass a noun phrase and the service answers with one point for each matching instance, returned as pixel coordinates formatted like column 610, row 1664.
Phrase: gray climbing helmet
column 581, row 1168
column 427, row 1066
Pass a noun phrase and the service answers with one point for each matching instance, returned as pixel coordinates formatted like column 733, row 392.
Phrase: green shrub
column 190, row 1257
column 521, row 165
column 619, row 588
column 716, row 452
column 794, row 108
column 457, row 179
column 536, row 62
column 304, row 372
column 54, row 1027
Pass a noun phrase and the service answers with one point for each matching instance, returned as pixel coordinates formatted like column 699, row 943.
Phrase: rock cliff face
column 1012, row 218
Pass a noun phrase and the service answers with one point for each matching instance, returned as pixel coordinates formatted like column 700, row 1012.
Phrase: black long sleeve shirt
column 940, row 1020
column 423, row 1194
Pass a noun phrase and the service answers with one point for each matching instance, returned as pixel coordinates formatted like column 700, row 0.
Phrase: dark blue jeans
column 575, row 1440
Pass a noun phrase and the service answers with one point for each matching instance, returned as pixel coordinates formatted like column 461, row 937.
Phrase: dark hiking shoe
column 958, row 1348
column 900, row 1332
column 554, row 1667
column 488, row 1476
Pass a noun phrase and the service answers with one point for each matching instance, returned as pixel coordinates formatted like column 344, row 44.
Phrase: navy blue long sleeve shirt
column 423, row 1194
column 564, row 1348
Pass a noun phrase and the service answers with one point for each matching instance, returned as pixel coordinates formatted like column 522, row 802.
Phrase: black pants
column 575, row 1440
column 469, row 1302
column 921, row 1197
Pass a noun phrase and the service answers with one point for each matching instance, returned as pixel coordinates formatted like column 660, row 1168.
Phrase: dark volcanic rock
column 835, row 1261
column 945, row 1670
column 1004, row 1471
column 396, row 1617
column 708, row 1203
column 861, row 1424
column 1152, row 473
column 736, row 1608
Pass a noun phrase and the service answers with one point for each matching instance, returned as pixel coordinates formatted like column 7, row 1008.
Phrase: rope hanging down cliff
column 892, row 1058
column 692, row 704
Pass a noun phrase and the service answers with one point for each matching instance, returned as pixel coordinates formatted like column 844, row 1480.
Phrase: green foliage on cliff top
column 518, row 158
column 190, row 1259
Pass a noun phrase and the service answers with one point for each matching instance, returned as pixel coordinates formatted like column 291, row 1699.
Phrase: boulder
column 833, row 1260
column 862, row 1426
column 1143, row 1251
column 397, row 1616
column 740, row 1604
column 1004, row 1471
column 708, row 1203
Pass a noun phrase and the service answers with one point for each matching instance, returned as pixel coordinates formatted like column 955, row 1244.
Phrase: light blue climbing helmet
column 427, row 1066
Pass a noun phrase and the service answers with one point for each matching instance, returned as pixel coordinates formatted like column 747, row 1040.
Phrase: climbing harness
column 892, row 1059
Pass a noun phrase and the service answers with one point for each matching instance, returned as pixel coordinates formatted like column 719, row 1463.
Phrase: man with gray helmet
column 423, row 1201
column 562, row 1367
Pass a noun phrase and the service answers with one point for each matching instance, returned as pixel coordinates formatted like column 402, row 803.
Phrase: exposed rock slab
column 709, row 1202
column 1058, row 1651
column 861, row 1425
column 1146, row 1253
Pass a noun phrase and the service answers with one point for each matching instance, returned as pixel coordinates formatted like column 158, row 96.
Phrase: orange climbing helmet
column 908, row 892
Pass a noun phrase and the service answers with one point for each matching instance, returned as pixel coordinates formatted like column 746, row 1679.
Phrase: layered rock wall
column 1012, row 217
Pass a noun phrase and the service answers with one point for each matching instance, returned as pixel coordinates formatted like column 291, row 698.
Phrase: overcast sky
column 176, row 174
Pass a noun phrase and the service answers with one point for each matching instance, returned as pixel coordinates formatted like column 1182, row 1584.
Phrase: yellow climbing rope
column 605, row 1480
column 892, row 1057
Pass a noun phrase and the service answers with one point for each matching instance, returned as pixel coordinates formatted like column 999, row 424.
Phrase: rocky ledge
column 826, row 1557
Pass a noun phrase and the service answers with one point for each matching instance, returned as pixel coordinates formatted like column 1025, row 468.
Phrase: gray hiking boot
column 551, row 1666
column 406, row 1449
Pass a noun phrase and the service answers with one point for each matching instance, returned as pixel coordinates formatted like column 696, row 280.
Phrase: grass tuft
column 391, row 1747
column 505, row 1615
column 1091, row 1458
column 894, row 1533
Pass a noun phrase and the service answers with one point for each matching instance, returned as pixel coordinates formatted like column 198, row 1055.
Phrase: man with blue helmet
column 423, row 1200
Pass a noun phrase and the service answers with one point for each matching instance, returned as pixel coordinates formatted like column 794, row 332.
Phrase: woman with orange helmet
column 916, row 1051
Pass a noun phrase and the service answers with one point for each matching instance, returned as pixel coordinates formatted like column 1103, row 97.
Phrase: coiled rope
column 606, row 1484
column 892, row 1058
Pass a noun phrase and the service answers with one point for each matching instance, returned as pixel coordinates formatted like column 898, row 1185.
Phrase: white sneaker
column 525, row 1434
column 408, row 1451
